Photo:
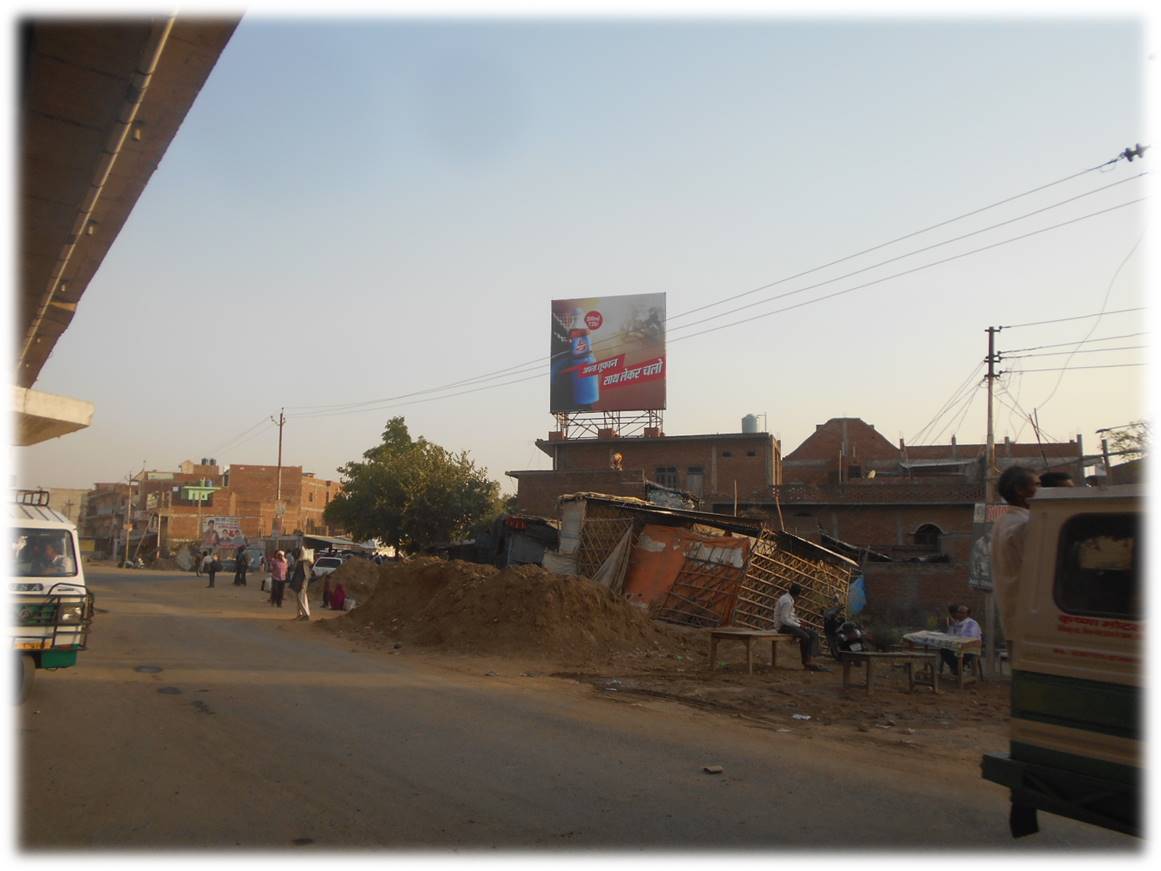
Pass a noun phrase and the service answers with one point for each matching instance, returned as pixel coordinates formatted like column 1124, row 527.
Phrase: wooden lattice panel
column 769, row 574
column 702, row 594
column 599, row 537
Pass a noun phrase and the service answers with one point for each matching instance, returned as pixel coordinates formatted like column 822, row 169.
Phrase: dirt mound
column 522, row 610
column 359, row 578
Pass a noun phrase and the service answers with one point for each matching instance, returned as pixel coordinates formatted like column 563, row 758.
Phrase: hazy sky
column 359, row 209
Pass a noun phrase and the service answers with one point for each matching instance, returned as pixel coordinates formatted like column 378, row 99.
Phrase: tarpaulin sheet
column 660, row 553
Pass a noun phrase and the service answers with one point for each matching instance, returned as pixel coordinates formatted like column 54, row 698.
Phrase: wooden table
column 748, row 636
column 868, row 658
column 957, row 644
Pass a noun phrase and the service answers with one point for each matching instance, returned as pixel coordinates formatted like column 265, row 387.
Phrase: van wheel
column 25, row 674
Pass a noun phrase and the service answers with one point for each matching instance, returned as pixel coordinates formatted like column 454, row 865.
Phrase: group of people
column 293, row 569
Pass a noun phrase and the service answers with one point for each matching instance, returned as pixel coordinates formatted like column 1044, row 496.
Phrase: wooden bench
column 747, row 636
column 868, row 658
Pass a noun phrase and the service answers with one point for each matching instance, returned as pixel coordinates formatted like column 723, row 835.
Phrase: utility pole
column 277, row 526
column 989, row 500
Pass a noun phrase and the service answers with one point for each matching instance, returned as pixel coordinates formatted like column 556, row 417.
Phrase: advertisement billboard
column 221, row 532
column 608, row 353
column 980, row 564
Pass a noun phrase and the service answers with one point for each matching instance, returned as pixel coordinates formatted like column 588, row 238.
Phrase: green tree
column 411, row 493
column 1133, row 439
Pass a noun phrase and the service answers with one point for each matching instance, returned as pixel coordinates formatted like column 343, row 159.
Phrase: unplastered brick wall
column 871, row 525
column 910, row 593
column 539, row 492
column 750, row 461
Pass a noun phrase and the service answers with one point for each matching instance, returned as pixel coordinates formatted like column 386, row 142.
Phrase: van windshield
column 42, row 553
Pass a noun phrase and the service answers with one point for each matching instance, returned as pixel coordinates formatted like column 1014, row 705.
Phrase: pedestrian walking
column 241, row 565
column 277, row 578
column 300, row 583
column 206, row 559
column 212, row 568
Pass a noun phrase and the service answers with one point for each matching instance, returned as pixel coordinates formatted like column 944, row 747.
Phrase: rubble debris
column 712, row 769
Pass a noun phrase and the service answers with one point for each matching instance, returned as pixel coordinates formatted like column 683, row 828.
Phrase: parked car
column 324, row 565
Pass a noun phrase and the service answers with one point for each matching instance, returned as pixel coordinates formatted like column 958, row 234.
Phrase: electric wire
column 1119, row 311
column 952, row 400
column 230, row 442
column 375, row 405
column 1070, row 344
column 911, row 271
column 540, row 361
column 1070, row 353
column 960, row 412
column 1078, row 368
column 1096, row 323
column 903, row 238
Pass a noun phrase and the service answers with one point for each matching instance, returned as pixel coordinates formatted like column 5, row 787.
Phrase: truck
column 1076, row 728
column 51, row 606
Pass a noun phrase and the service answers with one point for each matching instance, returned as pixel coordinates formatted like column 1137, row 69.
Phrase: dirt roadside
column 520, row 625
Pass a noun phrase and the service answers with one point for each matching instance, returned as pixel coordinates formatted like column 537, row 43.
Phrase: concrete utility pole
column 276, row 529
column 989, row 500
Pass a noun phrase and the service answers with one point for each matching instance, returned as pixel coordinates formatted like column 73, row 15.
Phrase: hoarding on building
column 980, row 564
column 222, row 532
column 608, row 353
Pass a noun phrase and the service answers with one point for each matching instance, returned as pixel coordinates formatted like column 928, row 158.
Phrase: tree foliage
column 1133, row 439
column 411, row 493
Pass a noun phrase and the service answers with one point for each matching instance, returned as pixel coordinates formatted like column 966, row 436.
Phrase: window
column 854, row 472
column 727, row 453
column 309, row 497
column 929, row 535
column 1098, row 566
column 666, row 476
column 42, row 553
column 751, row 453
column 695, row 480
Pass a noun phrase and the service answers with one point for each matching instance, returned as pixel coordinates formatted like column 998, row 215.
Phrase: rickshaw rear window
column 1098, row 566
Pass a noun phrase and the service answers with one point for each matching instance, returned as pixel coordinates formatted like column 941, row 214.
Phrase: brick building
column 708, row 467
column 850, row 482
column 174, row 502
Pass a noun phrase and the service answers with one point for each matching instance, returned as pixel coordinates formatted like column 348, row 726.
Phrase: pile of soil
column 520, row 611
column 359, row 578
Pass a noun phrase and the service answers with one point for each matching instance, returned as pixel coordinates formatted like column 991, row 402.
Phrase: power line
column 1070, row 344
column 1104, row 305
column 952, row 400
column 540, row 361
column 1070, row 353
column 1078, row 368
column 911, row 271
column 902, row 238
column 1120, row 311
column 899, row 257
column 375, row 405
column 230, row 442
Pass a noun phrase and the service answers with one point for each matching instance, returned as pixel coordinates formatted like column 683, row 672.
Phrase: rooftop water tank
column 750, row 424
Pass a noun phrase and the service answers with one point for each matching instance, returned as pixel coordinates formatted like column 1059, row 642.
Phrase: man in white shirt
column 963, row 626
column 786, row 622
column 1017, row 485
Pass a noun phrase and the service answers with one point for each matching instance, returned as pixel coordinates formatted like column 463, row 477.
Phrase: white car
column 324, row 565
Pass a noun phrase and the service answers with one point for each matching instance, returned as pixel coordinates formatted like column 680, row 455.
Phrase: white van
column 51, row 607
column 1077, row 687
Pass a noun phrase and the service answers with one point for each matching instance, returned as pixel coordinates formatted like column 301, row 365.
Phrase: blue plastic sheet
column 858, row 597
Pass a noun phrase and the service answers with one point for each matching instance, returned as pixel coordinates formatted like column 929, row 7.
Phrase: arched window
column 929, row 535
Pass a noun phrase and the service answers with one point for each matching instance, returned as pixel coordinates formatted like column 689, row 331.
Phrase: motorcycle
column 843, row 635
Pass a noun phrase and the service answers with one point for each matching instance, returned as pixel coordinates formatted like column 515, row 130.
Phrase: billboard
column 608, row 353
column 980, row 564
column 221, row 532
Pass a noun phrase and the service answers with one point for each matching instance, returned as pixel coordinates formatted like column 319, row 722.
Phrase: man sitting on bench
column 965, row 627
column 787, row 623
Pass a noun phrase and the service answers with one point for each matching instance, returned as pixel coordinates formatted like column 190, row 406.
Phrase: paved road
column 258, row 732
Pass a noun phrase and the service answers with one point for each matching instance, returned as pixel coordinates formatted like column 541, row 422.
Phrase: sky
column 357, row 209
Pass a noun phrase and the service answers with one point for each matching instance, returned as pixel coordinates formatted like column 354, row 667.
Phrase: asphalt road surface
column 204, row 719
